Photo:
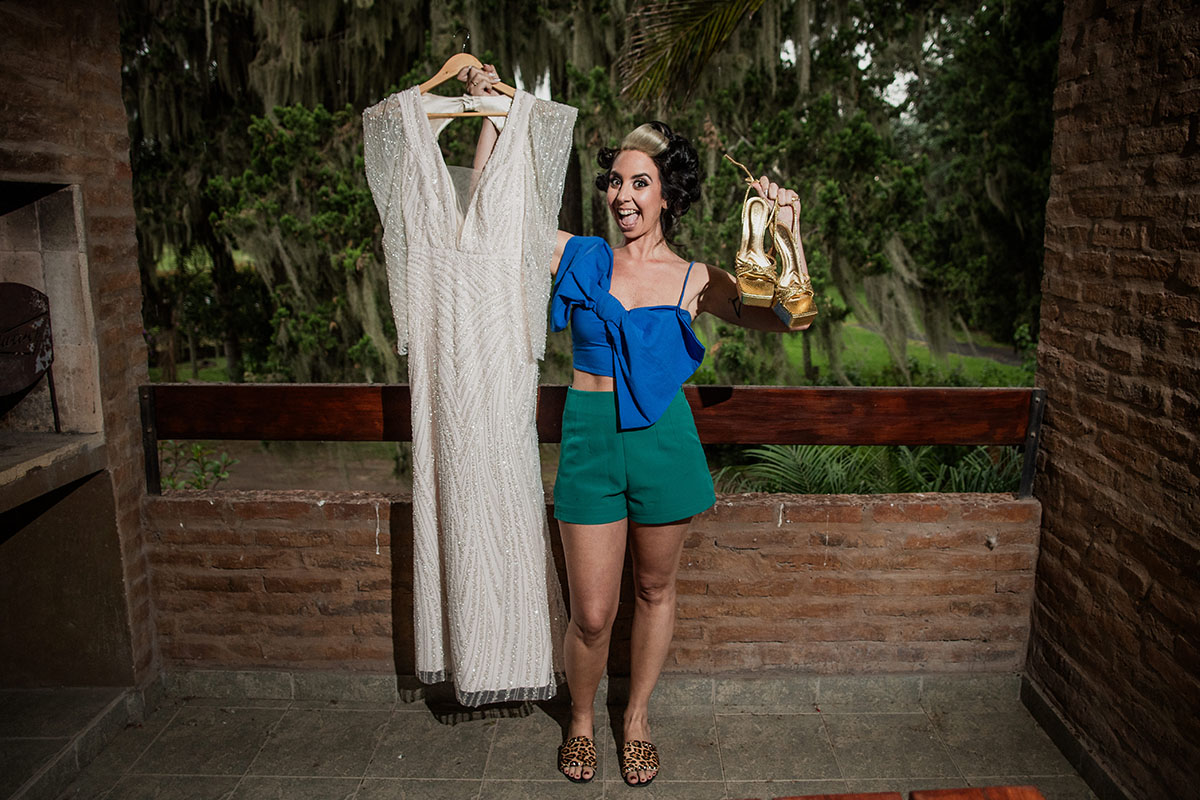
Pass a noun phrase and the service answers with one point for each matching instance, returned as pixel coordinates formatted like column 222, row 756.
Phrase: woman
column 631, row 469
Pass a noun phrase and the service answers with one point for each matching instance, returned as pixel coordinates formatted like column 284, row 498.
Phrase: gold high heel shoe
column 754, row 268
column 795, row 303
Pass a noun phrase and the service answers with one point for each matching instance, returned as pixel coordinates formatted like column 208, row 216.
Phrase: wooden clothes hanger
column 454, row 65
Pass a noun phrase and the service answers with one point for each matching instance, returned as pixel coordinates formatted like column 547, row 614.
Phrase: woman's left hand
column 479, row 81
column 788, row 200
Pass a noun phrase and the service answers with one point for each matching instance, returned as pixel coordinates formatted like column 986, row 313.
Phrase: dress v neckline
column 448, row 197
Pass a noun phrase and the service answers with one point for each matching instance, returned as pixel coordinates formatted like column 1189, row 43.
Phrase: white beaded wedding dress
column 468, row 271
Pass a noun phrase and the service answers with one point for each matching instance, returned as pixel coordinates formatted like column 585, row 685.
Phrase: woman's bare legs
column 595, row 557
column 656, row 551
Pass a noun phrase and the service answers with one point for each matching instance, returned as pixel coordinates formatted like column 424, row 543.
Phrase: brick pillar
column 1116, row 631
column 63, row 122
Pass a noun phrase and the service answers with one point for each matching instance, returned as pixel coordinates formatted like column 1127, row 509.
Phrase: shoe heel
column 800, row 315
column 794, row 302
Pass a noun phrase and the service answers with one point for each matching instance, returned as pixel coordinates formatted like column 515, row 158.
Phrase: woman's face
column 635, row 194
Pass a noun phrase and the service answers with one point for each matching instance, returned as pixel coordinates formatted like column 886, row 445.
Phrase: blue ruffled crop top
column 649, row 351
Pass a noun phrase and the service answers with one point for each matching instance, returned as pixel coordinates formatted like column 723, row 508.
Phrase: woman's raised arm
column 721, row 299
column 479, row 82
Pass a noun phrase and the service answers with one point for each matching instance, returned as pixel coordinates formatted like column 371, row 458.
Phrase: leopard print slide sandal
column 638, row 756
column 578, row 751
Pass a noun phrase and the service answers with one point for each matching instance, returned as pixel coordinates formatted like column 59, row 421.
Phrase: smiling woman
column 642, row 150
column 631, row 468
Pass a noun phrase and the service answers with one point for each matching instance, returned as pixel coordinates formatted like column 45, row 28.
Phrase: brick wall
column 62, row 121
column 1116, row 628
column 832, row 584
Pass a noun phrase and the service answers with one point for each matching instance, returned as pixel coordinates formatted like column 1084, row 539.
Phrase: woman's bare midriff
column 587, row 382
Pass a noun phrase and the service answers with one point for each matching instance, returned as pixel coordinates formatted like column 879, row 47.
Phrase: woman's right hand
column 787, row 200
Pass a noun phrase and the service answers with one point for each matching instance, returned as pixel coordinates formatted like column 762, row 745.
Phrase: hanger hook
column 466, row 37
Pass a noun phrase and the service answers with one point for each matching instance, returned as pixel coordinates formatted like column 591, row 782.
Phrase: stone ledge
column 783, row 691
column 34, row 464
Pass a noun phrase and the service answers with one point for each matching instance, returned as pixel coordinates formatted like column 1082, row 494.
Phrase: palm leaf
column 732, row 479
column 843, row 469
column 815, row 469
column 917, row 469
column 671, row 42
column 981, row 471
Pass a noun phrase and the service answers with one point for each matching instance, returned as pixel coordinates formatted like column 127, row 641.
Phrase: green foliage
column 191, row 303
column 672, row 41
column 192, row 465
column 899, row 196
column 194, row 77
column 303, row 213
column 1026, row 345
column 739, row 356
column 867, row 363
column 808, row 469
column 839, row 469
column 919, row 210
column 207, row 371
column 985, row 121
column 981, row 469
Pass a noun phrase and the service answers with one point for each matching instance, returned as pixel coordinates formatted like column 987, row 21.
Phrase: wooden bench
column 980, row 793
column 724, row 415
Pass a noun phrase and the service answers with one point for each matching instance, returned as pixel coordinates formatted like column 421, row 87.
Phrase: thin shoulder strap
column 683, row 289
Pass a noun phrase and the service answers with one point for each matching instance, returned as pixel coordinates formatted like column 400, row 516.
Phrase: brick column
column 63, row 122
column 1116, row 632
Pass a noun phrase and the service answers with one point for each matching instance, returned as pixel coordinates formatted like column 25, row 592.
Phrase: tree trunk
column 768, row 30
column 810, row 371
column 570, row 215
column 193, row 353
column 802, row 39
column 830, row 334
column 224, row 278
column 233, row 359
column 168, row 360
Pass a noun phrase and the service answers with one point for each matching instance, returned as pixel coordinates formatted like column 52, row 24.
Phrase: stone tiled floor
column 50, row 731
column 758, row 737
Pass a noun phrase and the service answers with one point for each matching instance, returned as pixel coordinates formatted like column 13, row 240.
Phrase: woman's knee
column 655, row 591
column 593, row 623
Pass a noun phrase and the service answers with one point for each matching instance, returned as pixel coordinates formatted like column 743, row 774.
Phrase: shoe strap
column 768, row 247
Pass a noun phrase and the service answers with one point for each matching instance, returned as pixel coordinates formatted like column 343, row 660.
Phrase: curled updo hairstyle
column 677, row 162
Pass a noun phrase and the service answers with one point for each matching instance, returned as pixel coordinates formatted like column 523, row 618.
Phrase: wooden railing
column 724, row 415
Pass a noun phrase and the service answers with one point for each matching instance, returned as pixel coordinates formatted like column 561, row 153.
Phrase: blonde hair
column 647, row 139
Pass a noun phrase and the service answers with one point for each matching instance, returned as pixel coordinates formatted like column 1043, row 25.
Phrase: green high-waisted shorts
column 651, row 475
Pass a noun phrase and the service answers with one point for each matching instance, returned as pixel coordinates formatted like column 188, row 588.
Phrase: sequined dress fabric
column 468, row 273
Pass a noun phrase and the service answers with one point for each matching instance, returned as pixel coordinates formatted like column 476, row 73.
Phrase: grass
column 866, row 361
column 212, row 370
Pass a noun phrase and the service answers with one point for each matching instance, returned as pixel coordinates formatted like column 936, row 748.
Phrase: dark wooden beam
column 1033, row 437
column 146, row 397
column 859, row 415
column 282, row 412
column 724, row 414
